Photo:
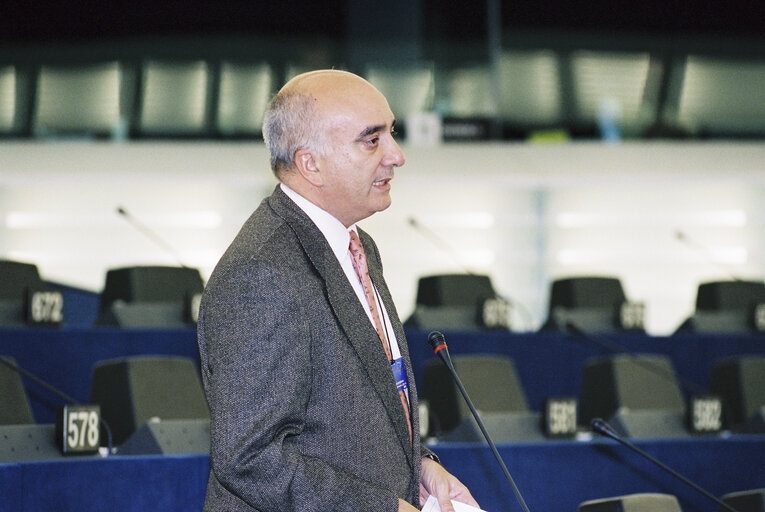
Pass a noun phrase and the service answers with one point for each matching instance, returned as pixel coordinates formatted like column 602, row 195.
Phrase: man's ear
column 306, row 165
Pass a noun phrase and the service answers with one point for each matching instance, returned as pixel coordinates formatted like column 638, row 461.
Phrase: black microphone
column 151, row 235
column 52, row 389
column 437, row 341
column 601, row 427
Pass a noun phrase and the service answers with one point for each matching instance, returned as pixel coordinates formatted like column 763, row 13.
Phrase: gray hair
column 291, row 123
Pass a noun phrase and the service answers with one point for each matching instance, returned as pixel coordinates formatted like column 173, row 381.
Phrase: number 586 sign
column 78, row 429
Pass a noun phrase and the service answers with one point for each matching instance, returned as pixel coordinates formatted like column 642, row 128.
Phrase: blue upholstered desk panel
column 553, row 476
column 124, row 484
column 548, row 364
column 557, row 476
column 65, row 357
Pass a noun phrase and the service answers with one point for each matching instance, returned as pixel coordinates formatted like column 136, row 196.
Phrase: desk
column 548, row 364
column 553, row 476
column 558, row 475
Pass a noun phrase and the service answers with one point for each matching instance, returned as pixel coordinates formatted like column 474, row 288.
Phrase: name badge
column 399, row 373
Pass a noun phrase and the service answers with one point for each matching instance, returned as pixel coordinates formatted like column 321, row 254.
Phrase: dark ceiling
column 84, row 20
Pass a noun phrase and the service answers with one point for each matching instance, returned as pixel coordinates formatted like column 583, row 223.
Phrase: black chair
column 150, row 296
column 642, row 502
column 454, row 302
column 494, row 387
column 746, row 501
column 637, row 394
column 740, row 383
column 134, row 390
column 14, row 404
column 596, row 304
column 17, row 281
column 728, row 307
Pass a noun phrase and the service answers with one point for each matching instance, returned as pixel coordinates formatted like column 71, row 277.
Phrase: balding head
column 297, row 116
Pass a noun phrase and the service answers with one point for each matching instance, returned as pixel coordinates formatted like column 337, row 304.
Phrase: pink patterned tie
column 359, row 260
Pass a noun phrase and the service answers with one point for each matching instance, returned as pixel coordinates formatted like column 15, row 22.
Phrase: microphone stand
column 619, row 349
column 601, row 427
column 151, row 235
column 436, row 340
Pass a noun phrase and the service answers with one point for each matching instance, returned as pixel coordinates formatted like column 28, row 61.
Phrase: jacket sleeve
column 255, row 347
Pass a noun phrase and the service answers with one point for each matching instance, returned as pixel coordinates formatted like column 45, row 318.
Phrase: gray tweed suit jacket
column 304, row 410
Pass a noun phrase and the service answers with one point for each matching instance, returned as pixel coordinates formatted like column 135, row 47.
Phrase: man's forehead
column 359, row 123
column 360, row 112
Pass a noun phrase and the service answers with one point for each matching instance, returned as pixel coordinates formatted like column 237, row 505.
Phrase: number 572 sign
column 78, row 429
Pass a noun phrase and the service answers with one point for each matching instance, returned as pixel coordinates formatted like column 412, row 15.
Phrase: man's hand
column 435, row 480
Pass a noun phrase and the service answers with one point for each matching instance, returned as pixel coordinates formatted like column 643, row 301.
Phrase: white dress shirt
column 339, row 239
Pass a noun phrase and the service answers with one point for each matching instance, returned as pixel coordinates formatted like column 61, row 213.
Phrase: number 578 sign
column 78, row 429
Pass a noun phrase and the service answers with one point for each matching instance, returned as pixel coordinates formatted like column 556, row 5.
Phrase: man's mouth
column 381, row 182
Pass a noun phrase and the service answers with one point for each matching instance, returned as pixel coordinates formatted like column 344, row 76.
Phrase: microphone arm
column 617, row 348
column 438, row 242
column 49, row 387
column 148, row 233
column 601, row 427
column 437, row 341
column 704, row 251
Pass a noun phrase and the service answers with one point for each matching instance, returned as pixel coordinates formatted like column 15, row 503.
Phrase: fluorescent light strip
column 43, row 220
column 721, row 255
column 724, row 218
column 467, row 220
column 73, row 256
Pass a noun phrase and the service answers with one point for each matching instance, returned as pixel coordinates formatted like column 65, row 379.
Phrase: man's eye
column 373, row 141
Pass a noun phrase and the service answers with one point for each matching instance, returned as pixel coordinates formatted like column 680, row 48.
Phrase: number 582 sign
column 78, row 429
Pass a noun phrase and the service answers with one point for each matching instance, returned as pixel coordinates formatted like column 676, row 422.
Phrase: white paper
column 431, row 505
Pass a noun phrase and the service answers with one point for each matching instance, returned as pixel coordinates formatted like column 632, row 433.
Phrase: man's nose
column 394, row 156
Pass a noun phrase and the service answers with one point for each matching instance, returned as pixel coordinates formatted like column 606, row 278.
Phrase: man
column 296, row 363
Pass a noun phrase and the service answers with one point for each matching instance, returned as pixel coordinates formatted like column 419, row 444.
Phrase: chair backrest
column 245, row 90
column 628, row 382
column 133, row 390
column 8, row 108
column 14, row 404
column 491, row 381
column 740, row 382
column 452, row 302
column 586, row 293
column 729, row 295
column 174, row 98
column 92, row 103
column 454, row 290
column 727, row 307
column 149, row 296
column 16, row 278
column 408, row 88
column 642, row 502
column 592, row 303
column 746, row 501
column 17, row 281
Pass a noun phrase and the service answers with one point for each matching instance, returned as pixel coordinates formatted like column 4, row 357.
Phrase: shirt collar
column 334, row 231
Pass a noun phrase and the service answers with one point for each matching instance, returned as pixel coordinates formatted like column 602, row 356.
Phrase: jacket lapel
column 376, row 274
column 350, row 314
